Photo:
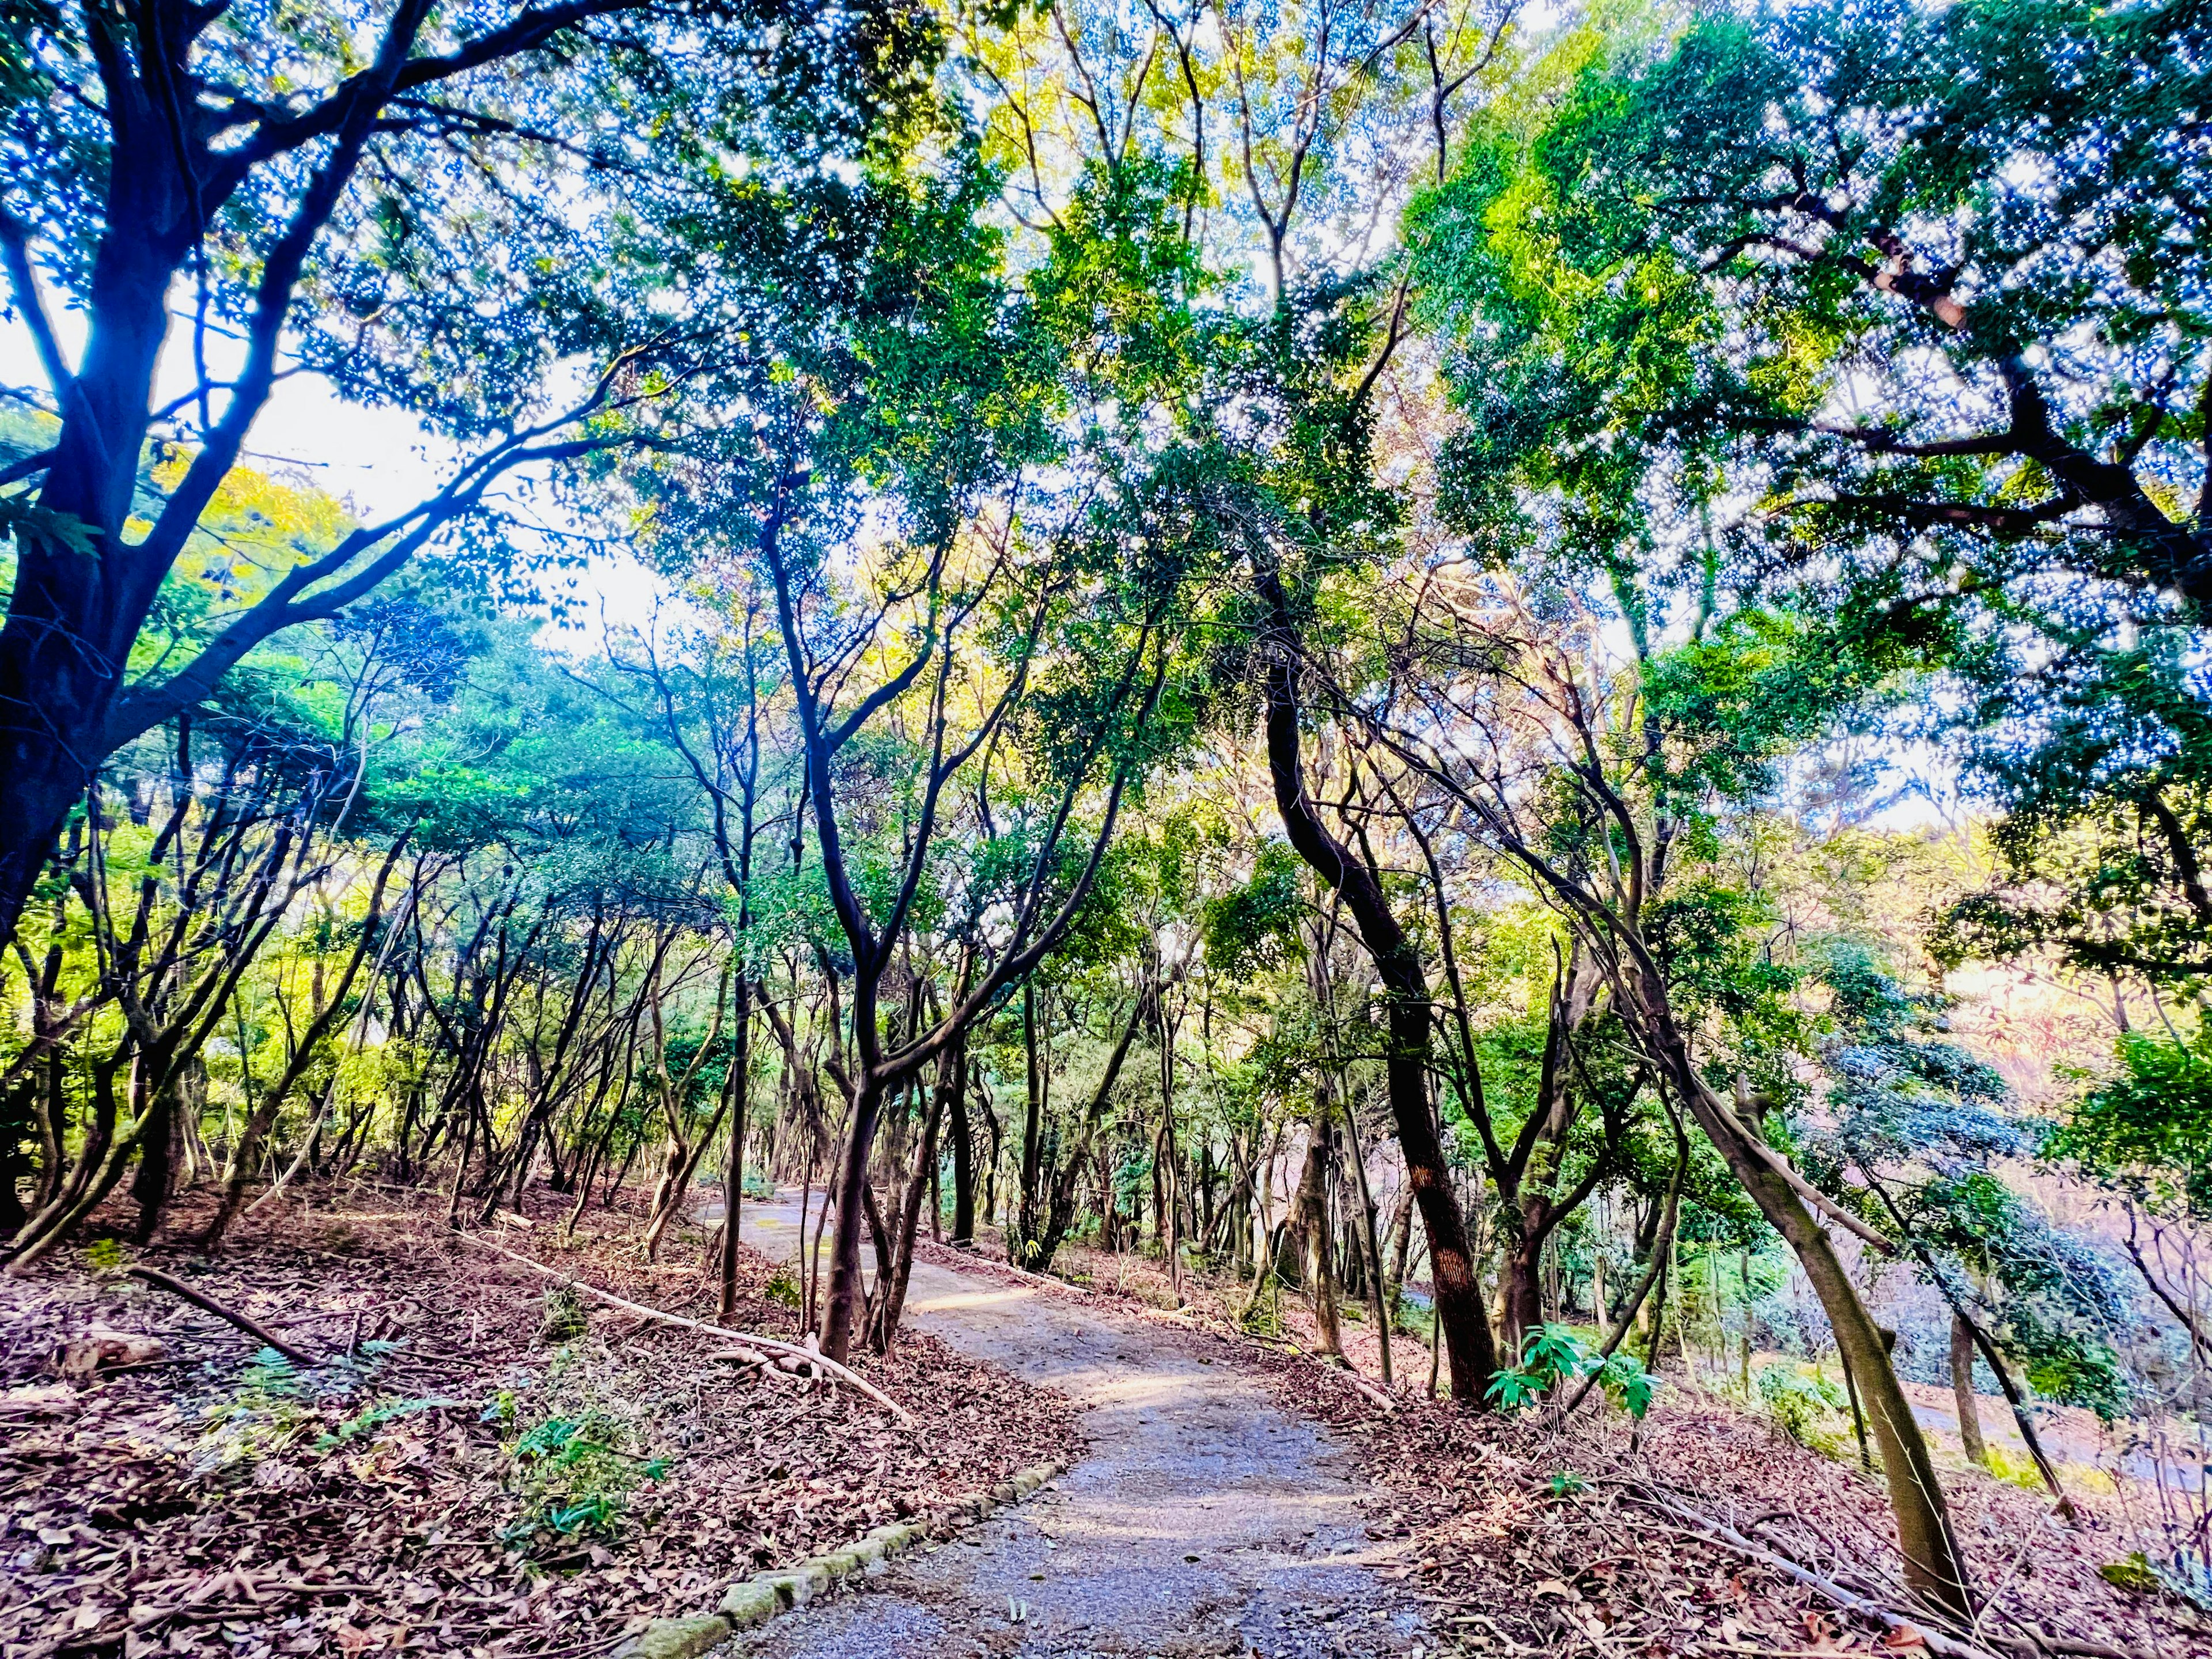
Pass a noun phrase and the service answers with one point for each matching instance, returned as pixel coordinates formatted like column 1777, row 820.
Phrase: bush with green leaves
column 574, row 1475
column 1803, row 1403
column 1554, row 1356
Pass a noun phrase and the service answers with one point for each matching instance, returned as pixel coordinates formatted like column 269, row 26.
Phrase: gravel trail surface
column 1204, row 1520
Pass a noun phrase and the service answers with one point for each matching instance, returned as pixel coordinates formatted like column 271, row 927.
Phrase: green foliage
column 1252, row 928
column 571, row 1476
column 1554, row 1356
column 782, row 1288
column 107, row 1255
column 367, row 1422
column 2148, row 1128
column 1803, row 1403
column 267, row 1416
column 1918, row 1114
column 1649, row 340
column 2133, row 1572
column 1261, row 1315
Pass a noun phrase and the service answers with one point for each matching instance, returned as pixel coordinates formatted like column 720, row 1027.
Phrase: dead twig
column 200, row 1299
column 736, row 1338
column 1694, row 1525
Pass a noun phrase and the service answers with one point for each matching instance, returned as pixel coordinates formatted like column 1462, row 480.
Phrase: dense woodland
column 1521, row 691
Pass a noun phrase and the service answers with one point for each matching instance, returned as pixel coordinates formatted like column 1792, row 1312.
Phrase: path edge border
column 752, row 1602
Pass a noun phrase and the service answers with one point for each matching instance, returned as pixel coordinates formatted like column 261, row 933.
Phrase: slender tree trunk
column 1459, row 1303
column 1962, row 1388
column 1315, row 1253
column 1380, row 1300
column 918, row 1185
column 842, row 1312
column 1932, row 1563
column 963, row 1165
column 1021, row 1244
column 733, row 1173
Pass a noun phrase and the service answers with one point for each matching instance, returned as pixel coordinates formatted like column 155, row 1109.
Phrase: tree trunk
column 733, row 1173
column 842, row 1309
column 1379, row 1299
column 1523, row 1295
column 1962, row 1388
column 1021, row 1242
column 963, row 1161
column 1316, row 1257
column 918, row 1185
column 1461, row 1315
column 72, row 618
column 1932, row 1563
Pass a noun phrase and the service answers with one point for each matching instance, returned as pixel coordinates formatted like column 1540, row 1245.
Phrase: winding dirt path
column 1204, row 1520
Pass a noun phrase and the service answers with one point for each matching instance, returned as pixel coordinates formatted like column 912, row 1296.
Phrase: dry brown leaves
column 1530, row 1538
column 205, row 1503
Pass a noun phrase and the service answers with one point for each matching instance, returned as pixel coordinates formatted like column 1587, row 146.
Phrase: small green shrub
column 2135, row 1573
column 1554, row 1356
column 1803, row 1404
column 266, row 1417
column 782, row 1288
column 107, row 1255
column 2020, row 1470
column 757, row 1184
column 573, row 1476
column 375, row 1417
column 565, row 1320
column 1262, row 1315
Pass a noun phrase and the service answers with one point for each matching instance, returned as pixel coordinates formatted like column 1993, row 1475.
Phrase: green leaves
column 2148, row 1128
column 1554, row 1356
column 1252, row 928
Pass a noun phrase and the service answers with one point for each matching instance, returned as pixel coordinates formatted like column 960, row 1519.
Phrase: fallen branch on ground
column 734, row 1338
column 1713, row 1531
column 1373, row 1392
column 161, row 1280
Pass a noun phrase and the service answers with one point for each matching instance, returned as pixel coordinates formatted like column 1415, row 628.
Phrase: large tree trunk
column 1524, row 1296
column 843, row 1308
column 1461, row 1315
column 72, row 617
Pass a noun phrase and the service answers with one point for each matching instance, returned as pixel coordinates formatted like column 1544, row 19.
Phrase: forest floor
column 477, row 1466
column 483, row 1464
column 1470, row 1534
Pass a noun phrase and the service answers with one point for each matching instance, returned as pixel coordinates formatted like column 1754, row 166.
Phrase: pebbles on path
column 1204, row 1520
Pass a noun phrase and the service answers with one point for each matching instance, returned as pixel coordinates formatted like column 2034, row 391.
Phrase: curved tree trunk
column 1932, row 1563
column 1461, row 1315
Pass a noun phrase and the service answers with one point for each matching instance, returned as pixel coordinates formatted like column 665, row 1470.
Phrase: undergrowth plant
column 268, row 1414
column 1804, row 1404
column 573, row 1476
column 1554, row 1356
